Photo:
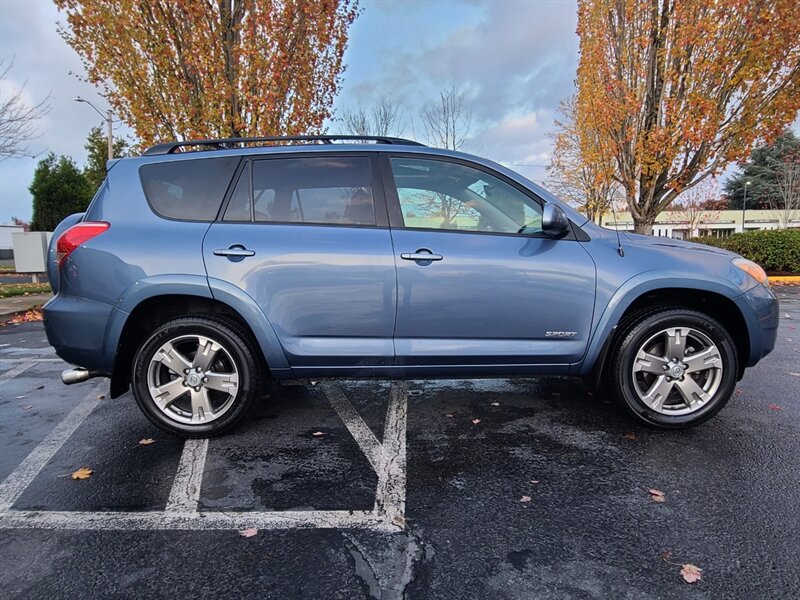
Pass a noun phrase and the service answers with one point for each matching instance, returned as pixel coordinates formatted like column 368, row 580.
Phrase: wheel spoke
column 658, row 392
column 166, row 394
column 201, row 406
column 676, row 342
column 705, row 359
column 206, row 353
column 692, row 393
column 649, row 363
column 222, row 382
column 169, row 356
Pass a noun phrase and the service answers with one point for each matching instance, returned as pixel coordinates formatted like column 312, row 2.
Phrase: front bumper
column 762, row 312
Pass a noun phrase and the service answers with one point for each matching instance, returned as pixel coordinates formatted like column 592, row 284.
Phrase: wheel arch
column 152, row 310
column 714, row 300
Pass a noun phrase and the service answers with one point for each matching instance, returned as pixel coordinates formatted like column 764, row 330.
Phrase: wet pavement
column 345, row 509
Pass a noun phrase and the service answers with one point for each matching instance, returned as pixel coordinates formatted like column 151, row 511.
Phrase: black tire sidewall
column 234, row 342
column 638, row 333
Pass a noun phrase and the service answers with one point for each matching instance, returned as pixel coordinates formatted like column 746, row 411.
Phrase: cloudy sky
column 515, row 60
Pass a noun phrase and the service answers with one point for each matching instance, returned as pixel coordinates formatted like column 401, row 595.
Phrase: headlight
column 752, row 269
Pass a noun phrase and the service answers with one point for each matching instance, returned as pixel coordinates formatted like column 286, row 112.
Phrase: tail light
column 77, row 235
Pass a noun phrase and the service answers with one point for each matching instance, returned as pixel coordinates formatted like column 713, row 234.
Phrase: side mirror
column 555, row 223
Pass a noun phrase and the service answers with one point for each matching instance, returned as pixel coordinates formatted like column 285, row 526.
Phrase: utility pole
column 744, row 203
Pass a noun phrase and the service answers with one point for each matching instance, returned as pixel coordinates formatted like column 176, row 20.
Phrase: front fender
column 634, row 288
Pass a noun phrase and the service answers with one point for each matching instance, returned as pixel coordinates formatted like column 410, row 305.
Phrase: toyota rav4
column 203, row 269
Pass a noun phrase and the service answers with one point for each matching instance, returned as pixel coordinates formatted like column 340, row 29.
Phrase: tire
column 192, row 403
column 665, row 393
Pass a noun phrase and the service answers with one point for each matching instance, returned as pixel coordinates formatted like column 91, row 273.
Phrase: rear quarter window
column 187, row 190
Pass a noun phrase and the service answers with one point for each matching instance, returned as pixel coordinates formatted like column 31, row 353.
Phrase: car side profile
column 203, row 269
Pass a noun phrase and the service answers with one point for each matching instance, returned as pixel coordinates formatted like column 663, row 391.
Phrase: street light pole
column 107, row 118
column 744, row 203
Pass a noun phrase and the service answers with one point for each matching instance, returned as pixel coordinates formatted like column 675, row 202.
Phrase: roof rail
column 228, row 143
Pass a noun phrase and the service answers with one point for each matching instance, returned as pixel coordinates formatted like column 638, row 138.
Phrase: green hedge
column 777, row 250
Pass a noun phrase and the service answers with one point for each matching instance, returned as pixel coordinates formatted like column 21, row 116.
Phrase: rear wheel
column 674, row 368
column 196, row 376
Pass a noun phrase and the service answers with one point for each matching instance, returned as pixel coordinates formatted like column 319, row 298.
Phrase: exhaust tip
column 76, row 375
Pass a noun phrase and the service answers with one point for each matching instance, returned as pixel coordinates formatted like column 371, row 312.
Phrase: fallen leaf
column 82, row 473
column 399, row 520
column 249, row 532
column 666, row 555
column 146, row 441
column 774, row 407
column 525, row 499
column 101, row 397
column 475, row 421
column 630, row 436
column 495, row 404
column 657, row 495
column 691, row 573
column 318, row 433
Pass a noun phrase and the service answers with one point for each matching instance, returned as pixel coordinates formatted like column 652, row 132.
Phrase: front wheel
column 674, row 368
column 196, row 376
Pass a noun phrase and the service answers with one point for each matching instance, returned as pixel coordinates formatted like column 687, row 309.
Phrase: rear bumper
column 761, row 311
column 76, row 328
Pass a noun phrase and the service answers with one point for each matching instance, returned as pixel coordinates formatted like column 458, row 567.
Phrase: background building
column 685, row 223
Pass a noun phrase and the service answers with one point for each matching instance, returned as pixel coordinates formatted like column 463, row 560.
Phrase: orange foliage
column 188, row 69
column 676, row 90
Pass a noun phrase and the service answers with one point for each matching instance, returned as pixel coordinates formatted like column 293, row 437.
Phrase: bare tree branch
column 17, row 118
column 447, row 121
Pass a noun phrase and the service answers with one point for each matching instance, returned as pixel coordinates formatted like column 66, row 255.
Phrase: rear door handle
column 235, row 251
column 422, row 254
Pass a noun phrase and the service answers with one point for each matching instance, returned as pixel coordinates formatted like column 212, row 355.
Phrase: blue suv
column 202, row 269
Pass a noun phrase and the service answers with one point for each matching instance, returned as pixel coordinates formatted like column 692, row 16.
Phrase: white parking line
column 360, row 431
column 390, row 497
column 18, row 370
column 107, row 520
column 185, row 493
column 13, row 485
column 181, row 513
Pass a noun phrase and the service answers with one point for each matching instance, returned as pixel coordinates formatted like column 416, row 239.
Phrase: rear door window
column 188, row 190
column 331, row 190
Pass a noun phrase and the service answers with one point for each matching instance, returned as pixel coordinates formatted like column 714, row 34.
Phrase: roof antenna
column 620, row 251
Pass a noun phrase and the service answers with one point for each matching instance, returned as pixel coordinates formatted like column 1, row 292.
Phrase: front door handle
column 235, row 252
column 423, row 254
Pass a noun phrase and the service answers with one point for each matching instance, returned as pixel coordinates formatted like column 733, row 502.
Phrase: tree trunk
column 643, row 226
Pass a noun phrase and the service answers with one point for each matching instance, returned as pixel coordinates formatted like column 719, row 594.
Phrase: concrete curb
column 784, row 278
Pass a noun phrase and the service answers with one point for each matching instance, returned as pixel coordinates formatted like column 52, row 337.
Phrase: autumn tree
column 676, row 90
column 188, row 69
column 384, row 118
column 18, row 118
column 587, row 184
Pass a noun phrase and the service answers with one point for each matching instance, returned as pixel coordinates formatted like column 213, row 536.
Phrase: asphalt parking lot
column 437, row 489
